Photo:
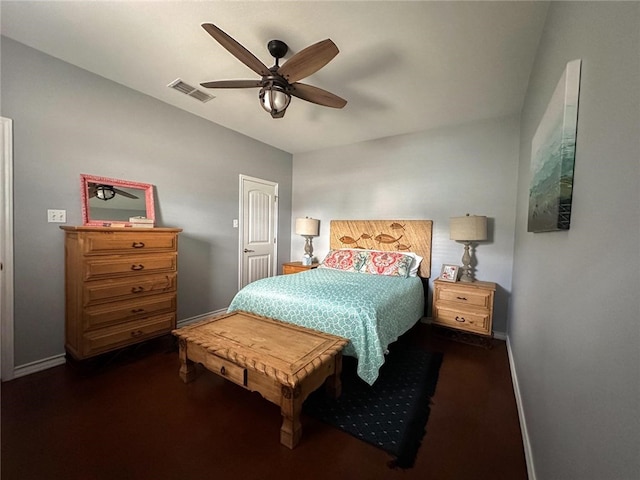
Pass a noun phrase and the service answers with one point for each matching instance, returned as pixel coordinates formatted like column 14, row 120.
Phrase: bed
column 368, row 289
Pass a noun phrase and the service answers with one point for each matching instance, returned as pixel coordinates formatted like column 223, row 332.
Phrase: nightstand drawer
column 475, row 322
column 296, row 267
column 478, row 298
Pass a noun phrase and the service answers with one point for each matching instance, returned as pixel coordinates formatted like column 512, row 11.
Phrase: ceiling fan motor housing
column 277, row 49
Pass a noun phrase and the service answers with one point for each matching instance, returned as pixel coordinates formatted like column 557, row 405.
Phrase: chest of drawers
column 120, row 287
column 464, row 306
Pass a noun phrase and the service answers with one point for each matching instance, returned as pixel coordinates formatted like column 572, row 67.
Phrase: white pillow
column 415, row 265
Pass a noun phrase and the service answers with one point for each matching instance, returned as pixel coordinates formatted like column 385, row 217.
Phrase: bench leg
column 187, row 367
column 290, row 407
column 333, row 384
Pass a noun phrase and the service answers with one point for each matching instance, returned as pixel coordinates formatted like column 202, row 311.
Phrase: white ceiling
column 403, row 66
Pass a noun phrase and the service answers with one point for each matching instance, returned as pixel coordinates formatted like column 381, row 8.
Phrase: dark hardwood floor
column 129, row 416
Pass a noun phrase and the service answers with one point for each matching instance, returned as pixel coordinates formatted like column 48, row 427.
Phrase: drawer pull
column 223, row 371
column 137, row 310
column 137, row 267
column 137, row 333
column 137, row 289
column 137, row 245
column 462, row 298
column 460, row 319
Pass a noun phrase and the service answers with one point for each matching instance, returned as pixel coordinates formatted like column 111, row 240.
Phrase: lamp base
column 467, row 273
column 466, row 277
column 308, row 250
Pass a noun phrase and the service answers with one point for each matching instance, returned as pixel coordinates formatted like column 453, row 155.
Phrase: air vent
column 193, row 92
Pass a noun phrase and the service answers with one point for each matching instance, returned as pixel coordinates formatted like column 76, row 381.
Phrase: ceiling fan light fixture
column 105, row 192
column 274, row 99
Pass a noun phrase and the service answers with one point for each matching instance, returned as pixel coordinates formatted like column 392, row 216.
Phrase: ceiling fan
column 279, row 83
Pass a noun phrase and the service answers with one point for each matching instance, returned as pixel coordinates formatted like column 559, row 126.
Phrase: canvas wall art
column 553, row 151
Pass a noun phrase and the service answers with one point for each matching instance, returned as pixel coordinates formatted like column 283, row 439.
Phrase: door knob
column 246, row 250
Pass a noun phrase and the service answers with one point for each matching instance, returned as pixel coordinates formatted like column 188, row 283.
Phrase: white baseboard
column 531, row 471
column 197, row 318
column 39, row 365
column 45, row 363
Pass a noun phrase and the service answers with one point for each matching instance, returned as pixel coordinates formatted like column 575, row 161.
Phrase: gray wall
column 428, row 175
column 575, row 319
column 67, row 121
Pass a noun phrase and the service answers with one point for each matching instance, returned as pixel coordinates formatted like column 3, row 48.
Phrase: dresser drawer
column 119, row 336
column 102, row 267
column 128, row 242
column 478, row 298
column 226, row 369
column 472, row 321
column 101, row 291
column 107, row 314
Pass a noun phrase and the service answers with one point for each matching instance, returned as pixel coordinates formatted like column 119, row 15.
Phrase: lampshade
column 468, row 228
column 307, row 227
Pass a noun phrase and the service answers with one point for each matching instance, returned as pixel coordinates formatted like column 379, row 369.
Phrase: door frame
column 241, row 220
column 6, row 251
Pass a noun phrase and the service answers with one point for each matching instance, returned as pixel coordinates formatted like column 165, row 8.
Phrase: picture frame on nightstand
column 449, row 273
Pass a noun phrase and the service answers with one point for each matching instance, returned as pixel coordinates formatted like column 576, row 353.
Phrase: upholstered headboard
column 387, row 235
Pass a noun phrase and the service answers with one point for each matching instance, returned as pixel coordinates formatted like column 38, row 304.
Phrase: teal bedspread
column 372, row 311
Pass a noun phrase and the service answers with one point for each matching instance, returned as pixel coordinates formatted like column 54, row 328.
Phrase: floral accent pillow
column 388, row 263
column 348, row 260
column 369, row 261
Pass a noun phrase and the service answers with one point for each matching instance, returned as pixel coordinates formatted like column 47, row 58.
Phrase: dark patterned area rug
column 392, row 413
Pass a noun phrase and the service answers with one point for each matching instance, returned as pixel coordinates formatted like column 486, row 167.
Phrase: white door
column 258, row 229
column 6, row 250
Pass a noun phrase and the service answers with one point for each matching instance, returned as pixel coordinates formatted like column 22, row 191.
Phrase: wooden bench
column 281, row 361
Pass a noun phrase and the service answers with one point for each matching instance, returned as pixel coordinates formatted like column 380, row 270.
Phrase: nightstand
column 296, row 267
column 464, row 306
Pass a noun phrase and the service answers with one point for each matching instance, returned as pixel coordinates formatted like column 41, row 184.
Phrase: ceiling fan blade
column 124, row 194
column 233, row 84
column 317, row 95
column 308, row 61
column 237, row 50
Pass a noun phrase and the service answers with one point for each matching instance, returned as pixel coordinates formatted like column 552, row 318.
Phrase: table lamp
column 308, row 228
column 467, row 229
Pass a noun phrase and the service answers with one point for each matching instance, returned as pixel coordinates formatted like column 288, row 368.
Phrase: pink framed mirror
column 109, row 202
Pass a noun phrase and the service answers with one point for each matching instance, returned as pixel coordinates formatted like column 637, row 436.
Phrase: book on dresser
column 120, row 287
